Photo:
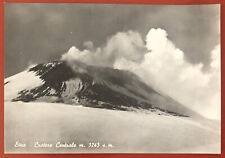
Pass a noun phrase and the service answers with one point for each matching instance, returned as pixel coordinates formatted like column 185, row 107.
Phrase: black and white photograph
column 112, row 78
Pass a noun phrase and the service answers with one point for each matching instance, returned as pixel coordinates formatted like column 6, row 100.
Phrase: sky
column 139, row 38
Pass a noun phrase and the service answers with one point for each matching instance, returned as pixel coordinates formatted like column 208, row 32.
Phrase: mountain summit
column 76, row 83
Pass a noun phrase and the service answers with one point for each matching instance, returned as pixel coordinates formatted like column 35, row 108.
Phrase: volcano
column 76, row 83
column 72, row 102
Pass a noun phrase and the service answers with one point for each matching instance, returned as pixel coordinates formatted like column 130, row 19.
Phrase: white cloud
column 162, row 65
column 165, row 68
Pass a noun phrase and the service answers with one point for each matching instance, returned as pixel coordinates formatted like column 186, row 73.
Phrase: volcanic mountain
column 76, row 83
column 69, row 101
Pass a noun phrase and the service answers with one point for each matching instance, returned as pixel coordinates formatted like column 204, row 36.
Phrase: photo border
column 112, row 155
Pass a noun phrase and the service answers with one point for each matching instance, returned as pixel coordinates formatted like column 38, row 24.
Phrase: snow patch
column 22, row 81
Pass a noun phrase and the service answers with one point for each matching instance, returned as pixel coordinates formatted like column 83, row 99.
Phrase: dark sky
column 37, row 33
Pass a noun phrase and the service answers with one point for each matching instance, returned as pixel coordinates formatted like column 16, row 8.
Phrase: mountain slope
column 50, row 88
column 76, row 83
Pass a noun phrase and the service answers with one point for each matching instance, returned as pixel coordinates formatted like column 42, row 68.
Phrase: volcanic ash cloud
column 161, row 64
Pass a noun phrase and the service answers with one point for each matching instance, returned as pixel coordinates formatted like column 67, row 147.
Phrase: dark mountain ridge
column 76, row 83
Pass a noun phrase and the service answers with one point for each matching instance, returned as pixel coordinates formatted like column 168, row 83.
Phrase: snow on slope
column 126, row 131
column 23, row 80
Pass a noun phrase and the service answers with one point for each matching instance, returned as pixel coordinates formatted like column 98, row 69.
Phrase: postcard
column 86, row 78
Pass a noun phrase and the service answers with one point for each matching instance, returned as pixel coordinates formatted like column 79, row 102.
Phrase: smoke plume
column 160, row 64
